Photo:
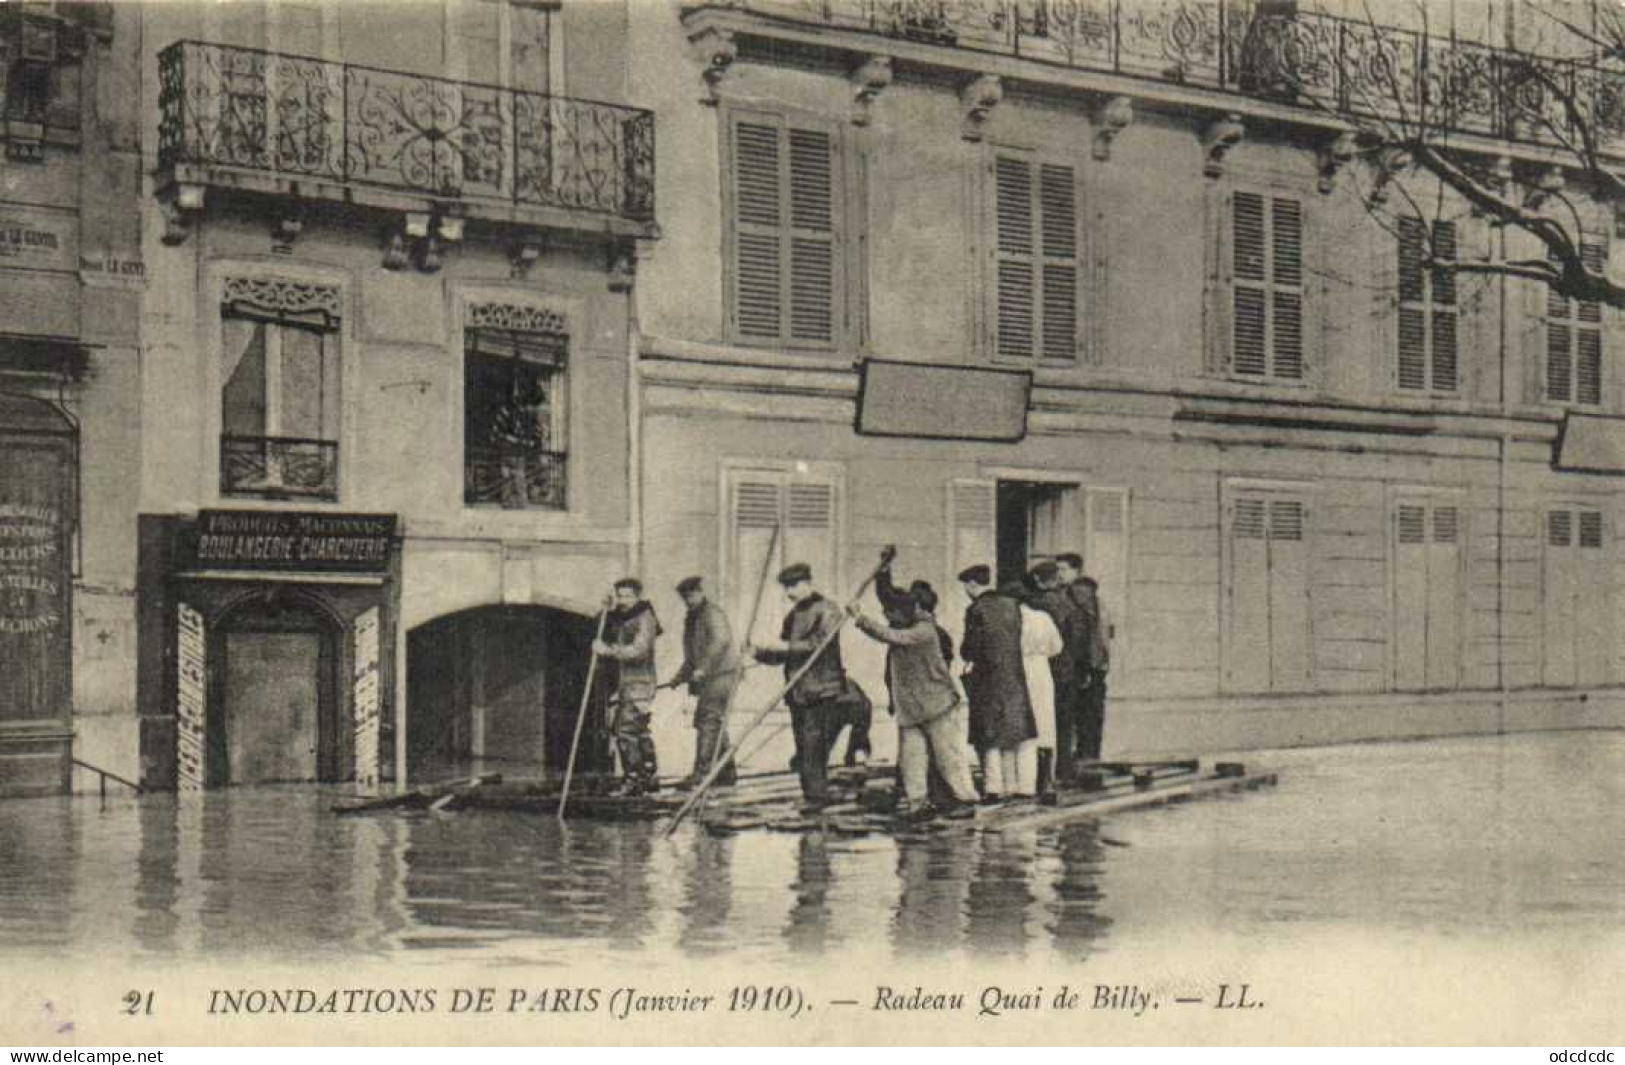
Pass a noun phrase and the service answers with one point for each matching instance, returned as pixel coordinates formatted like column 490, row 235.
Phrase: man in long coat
column 995, row 678
column 711, row 671
column 1094, row 665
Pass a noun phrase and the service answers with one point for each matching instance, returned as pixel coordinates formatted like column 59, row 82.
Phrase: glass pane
column 243, row 399
column 303, row 402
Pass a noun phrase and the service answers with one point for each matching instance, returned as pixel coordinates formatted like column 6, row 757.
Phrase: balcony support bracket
column 1221, row 135
column 979, row 98
column 1115, row 115
column 1390, row 164
column 717, row 49
column 623, row 266
column 180, row 207
column 1334, row 156
column 869, row 80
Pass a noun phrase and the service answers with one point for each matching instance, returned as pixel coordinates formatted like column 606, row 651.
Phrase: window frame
column 1573, row 320
column 993, row 256
column 1220, row 320
column 1429, row 307
column 1307, row 495
column 848, row 291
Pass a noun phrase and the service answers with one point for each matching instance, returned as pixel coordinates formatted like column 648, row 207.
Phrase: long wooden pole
column 705, row 785
column 581, row 716
column 722, row 755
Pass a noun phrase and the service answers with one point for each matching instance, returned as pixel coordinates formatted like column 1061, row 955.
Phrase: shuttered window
column 1036, row 250
column 1269, row 641
column 1267, row 287
column 1576, row 599
column 1426, row 593
column 1427, row 307
column 777, row 517
column 1574, row 346
column 786, row 242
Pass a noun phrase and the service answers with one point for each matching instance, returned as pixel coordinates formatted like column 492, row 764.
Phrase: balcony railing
column 1353, row 67
column 309, row 119
column 515, row 477
column 274, row 467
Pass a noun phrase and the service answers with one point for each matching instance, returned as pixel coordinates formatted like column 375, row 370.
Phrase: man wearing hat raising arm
column 815, row 700
column 710, row 669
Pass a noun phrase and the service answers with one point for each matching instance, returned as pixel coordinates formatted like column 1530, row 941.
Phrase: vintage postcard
column 812, row 521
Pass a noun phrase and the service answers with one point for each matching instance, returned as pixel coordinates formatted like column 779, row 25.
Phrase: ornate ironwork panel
column 1177, row 40
column 270, row 467
column 291, row 115
column 515, row 477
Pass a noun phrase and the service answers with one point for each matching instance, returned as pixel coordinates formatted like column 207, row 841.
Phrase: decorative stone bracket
column 1334, row 156
column 1221, row 135
column 421, row 241
column 979, row 98
column 180, row 208
column 623, row 266
column 871, row 78
column 1115, row 115
column 1390, row 163
column 1551, row 182
column 717, row 50
column 285, row 230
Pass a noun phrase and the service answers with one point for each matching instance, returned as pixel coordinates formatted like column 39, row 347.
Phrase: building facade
column 386, row 472
column 70, row 275
column 995, row 281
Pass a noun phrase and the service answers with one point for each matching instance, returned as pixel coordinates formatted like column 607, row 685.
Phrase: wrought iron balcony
column 314, row 121
column 515, row 477
column 1348, row 66
column 275, row 467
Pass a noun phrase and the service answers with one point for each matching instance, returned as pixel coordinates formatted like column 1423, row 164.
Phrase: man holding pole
column 808, row 639
column 632, row 648
column 711, row 670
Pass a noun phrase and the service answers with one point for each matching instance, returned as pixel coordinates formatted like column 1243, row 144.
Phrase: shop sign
column 297, row 541
column 39, row 239
column 366, row 700
column 30, row 569
column 942, row 402
column 191, row 697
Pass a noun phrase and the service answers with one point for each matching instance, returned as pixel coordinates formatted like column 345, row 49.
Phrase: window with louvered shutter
column 787, row 270
column 1427, row 306
column 1036, row 249
column 1269, row 629
column 1576, row 599
column 1267, row 287
column 1574, row 347
column 1426, row 596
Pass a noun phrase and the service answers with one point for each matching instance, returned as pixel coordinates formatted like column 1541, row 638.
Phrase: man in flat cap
column 1069, row 670
column 711, row 671
column 995, row 678
column 629, row 641
column 816, row 713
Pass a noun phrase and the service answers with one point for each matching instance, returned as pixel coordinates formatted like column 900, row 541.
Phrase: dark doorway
column 1035, row 520
column 497, row 689
column 276, row 711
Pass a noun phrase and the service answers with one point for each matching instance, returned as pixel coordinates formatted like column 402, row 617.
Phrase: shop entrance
column 497, row 689
column 277, row 717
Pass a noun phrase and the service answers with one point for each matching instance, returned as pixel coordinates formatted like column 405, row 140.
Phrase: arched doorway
column 275, row 712
column 497, row 689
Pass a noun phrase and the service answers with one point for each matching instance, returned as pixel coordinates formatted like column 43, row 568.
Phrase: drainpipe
column 634, row 435
column 1505, row 443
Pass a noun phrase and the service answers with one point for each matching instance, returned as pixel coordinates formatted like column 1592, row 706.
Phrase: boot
column 1046, row 772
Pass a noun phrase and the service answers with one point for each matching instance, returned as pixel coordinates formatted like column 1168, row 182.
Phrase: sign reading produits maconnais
column 191, row 699
column 366, row 700
column 30, row 569
column 294, row 540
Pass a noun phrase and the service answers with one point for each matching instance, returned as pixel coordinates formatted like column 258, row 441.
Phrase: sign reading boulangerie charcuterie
column 293, row 540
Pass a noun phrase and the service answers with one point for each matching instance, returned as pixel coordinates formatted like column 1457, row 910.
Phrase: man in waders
column 711, row 670
column 632, row 649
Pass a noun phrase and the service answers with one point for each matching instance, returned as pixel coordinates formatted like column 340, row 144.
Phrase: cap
column 689, row 584
column 795, row 573
column 1046, row 571
column 976, row 575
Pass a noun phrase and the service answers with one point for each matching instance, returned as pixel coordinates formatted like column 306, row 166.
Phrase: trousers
column 1011, row 772
column 632, row 740
column 1092, row 719
column 814, row 725
column 1069, row 709
column 938, row 744
column 711, row 737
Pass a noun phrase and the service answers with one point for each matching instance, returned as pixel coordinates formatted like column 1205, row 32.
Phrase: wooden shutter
column 756, row 508
column 1574, row 345
column 1410, row 596
column 972, row 514
column 758, row 231
column 1291, row 627
column 1247, row 643
column 810, row 530
column 1444, row 360
column 1427, row 307
column 1443, row 636
column 1593, row 601
column 1557, row 599
column 1036, row 259
column 1106, row 559
column 1267, row 297
column 786, row 241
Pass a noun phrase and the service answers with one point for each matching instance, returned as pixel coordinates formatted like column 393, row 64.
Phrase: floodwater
column 1476, row 838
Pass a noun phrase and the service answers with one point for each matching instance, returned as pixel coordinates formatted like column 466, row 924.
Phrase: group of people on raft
column 1032, row 667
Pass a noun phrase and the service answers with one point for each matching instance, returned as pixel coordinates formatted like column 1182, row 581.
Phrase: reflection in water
column 1473, row 836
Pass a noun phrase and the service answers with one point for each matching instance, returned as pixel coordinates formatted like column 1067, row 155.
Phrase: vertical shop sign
column 191, row 700
column 366, row 700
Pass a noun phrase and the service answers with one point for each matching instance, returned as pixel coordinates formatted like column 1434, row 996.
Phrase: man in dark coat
column 995, row 678
column 711, row 671
column 1085, row 593
column 629, row 642
column 816, row 710
column 1067, row 668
